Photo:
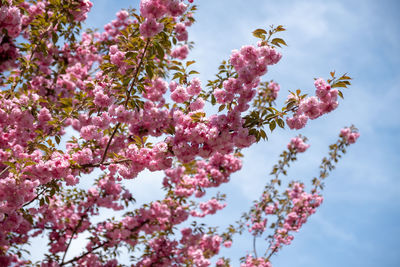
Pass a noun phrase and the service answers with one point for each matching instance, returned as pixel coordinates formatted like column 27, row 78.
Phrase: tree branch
column 37, row 196
column 74, row 232
column 4, row 170
column 136, row 75
column 254, row 246
column 90, row 165
column 99, row 246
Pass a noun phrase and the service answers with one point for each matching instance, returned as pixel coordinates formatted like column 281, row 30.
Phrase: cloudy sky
column 357, row 224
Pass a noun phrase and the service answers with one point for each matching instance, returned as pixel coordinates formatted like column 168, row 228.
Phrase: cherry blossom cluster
column 188, row 250
column 258, row 225
column 255, row 262
column 298, row 144
column 274, row 90
column 250, row 63
column 211, row 173
column 82, row 8
column 117, row 58
column 153, row 10
column 271, row 91
column 80, row 60
column 180, row 52
column 10, row 28
column 350, row 135
column 313, row 107
column 218, row 133
column 302, row 205
column 258, row 216
column 8, row 53
column 113, row 29
column 19, row 127
column 209, row 207
column 196, row 244
column 180, row 94
column 156, row 90
column 10, row 20
column 34, row 9
column 159, row 216
column 266, row 206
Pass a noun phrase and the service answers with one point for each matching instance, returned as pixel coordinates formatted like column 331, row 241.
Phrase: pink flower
column 228, row 244
column 198, row 104
column 195, row 87
column 180, row 52
column 310, row 107
column 181, row 33
column 150, row 27
column 44, row 115
column 176, row 8
column 179, row 95
column 350, row 135
column 297, row 122
column 152, row 9
column 298, row 144
column 249, row 53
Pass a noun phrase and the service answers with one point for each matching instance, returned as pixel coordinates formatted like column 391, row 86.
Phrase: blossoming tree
column 117, row 90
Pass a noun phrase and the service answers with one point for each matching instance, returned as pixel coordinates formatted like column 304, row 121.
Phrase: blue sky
column 357, row 224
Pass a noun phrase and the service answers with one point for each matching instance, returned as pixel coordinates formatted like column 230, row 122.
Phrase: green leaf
column 30, row 163
column 340, row 94
column 42, row 147
column 175, row 68
column 260, row 33
column 10, row 164
column 58, row 139
column 177, row 75
column 160, row 51
column 281, row 123
column 345, row 77
column 193, row 72
column 280, row 28
column 149, row 71
column 130, row 55
column 342, row 84
column 190, row 63
column 54, row 37
column 272, row 125
column 263, row 134
column 278, row 42
column 213, row 100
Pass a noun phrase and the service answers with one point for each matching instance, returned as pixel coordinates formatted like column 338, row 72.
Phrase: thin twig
column 126, row 101
column 254, row 246
column 109, row 143
column 37, row 196
column 104, row 164
column 84, row 254
column 72, row 236
column 272, row 252
column 101, row 245
column 3, row 171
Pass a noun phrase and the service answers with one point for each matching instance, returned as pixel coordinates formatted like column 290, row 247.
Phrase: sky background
column 358, row 223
